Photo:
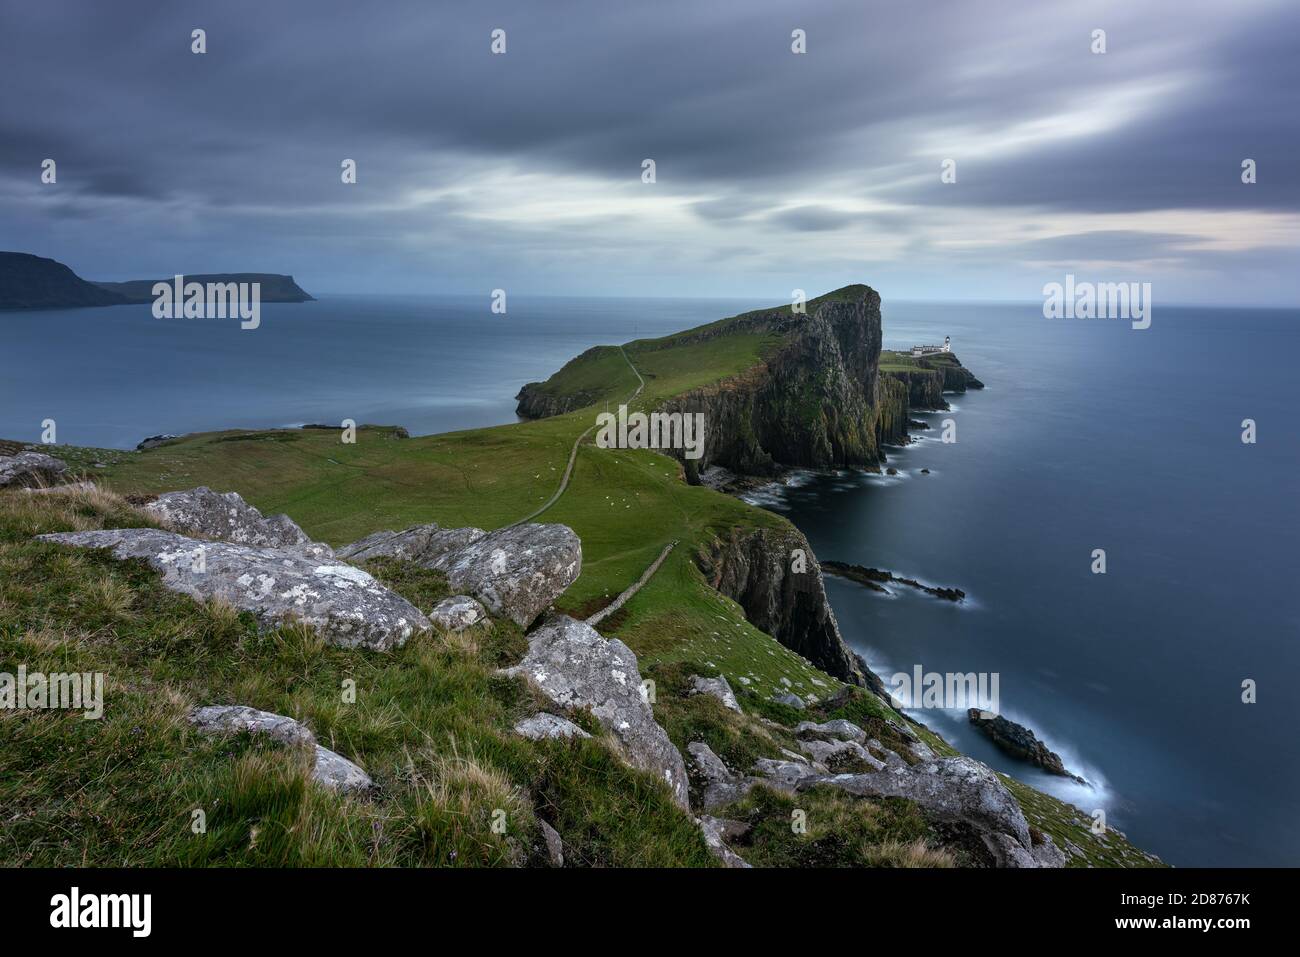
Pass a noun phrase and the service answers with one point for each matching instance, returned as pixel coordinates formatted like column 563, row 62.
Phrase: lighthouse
column 947, row 344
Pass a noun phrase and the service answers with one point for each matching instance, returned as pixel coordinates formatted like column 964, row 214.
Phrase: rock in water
column 343, row 603
column 576, row 667
column 1019, row 742
column 423, row 544
column 28, row 469
column 517, row 571
column 329, row 769
column 457, row 613
column 228, row 518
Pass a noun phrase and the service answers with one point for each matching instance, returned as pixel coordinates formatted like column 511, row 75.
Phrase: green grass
column 430, row 723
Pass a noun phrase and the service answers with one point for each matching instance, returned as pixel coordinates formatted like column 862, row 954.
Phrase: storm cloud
column 773, row 170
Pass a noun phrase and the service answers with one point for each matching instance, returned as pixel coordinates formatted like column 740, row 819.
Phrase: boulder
column 329, row 769
column 518, row 571
column 576, row 667
column 714, row 830
column 343, row 603
column 790, row 699
column 548, row 727
column 718, row 688
column 715, row 782
column 423, row 544
column 60, row 489
column 957, row 789
column 554, row 844
column 839, row 754
column 457, row 613
column 838, row 728
column 28, row 469
column 787, row 776
column 226, row 517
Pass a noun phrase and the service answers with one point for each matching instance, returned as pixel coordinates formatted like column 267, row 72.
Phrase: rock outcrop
column 718, row 688
column 576, row 667
column 457, row 613
column 425, row 545
column 344, row 604
column 30, row 470
column 548, row 727
column 517, row 572
column 329, row 769
column 226, row 517
column 1019, row 742
column 781, row 593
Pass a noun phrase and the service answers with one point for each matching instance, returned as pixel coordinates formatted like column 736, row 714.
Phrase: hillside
column 434, row 723
column 33, row 282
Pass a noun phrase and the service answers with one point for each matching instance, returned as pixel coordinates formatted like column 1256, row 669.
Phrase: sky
column 774, row 170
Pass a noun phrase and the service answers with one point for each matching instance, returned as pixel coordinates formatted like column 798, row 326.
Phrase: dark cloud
column 236, row 153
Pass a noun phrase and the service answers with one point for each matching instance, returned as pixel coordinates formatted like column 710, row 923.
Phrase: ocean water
column 110, row 377
column 1089, row 435
column 1094, row 435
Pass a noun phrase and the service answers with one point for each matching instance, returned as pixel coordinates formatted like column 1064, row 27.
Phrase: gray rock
column 60, row 489
column 330, row 770
column 554, row 844
column 838, row 728
column 833, row 753
column 457, row 613
column 718, row 688
column 29, row 469
column 790, row 699
column 518, row 571
column 574, row 666
column 344, row 604
column 786, row 775
column 713, row 830
column 228, row 518
column 1007, row 852
column 959, row 789
column 423, row 544
column 153, row 441
column 716, row 783
column 548, row 727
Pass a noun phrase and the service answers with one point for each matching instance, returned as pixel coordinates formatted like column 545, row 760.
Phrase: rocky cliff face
column 815, row 400
column 757, row 568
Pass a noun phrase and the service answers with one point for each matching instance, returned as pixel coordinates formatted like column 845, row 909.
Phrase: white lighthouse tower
column 947, row 343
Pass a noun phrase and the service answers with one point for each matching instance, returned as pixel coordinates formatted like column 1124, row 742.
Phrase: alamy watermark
column 683, row 431
column 1098, row 300
column 179, row 299
column 36, row 690
column 947, row 690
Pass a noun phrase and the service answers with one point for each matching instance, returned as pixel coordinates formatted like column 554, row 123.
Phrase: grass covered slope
column 432, row 720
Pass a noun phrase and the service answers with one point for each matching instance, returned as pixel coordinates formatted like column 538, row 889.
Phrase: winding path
column 573, row 453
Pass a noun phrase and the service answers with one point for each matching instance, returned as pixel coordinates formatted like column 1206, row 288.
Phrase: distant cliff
column 33, row 282
column 274, row 287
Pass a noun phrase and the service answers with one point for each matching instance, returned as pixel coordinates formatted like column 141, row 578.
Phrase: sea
column 1168, row 682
